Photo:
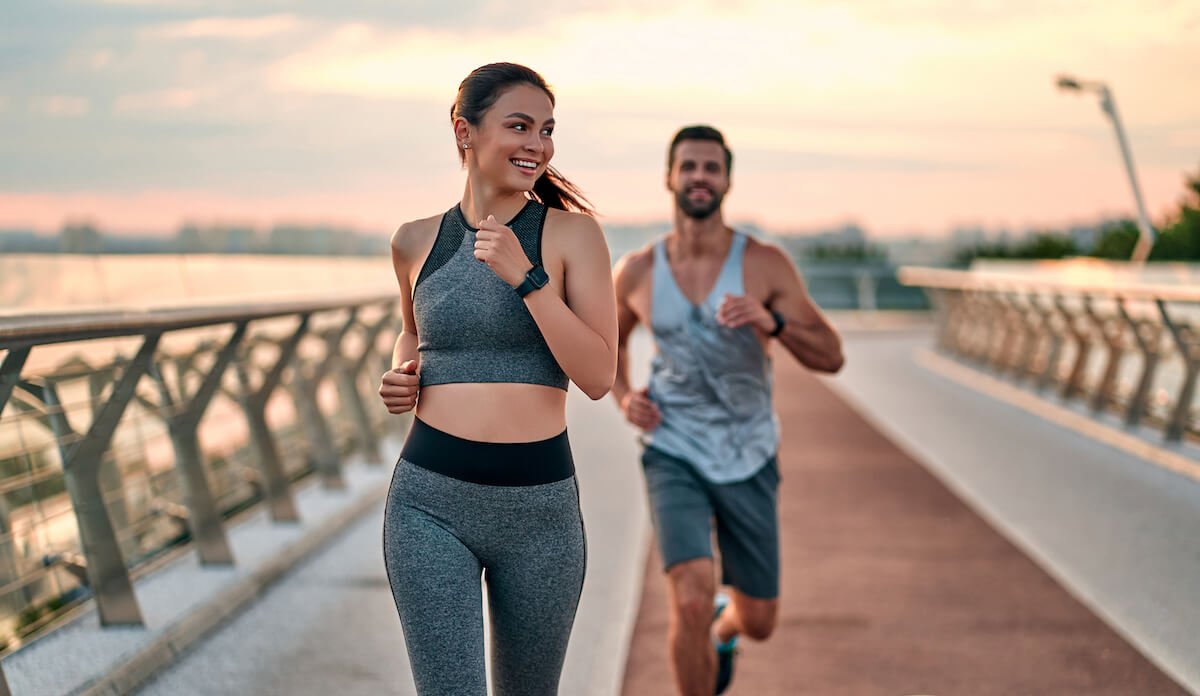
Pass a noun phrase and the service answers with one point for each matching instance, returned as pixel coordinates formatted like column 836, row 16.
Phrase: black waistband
column 489, row 463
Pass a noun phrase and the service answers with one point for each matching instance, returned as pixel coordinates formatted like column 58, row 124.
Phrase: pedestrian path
column 892, row 585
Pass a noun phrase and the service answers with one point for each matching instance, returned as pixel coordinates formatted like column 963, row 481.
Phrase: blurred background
column 919, row 131
column 963, row 185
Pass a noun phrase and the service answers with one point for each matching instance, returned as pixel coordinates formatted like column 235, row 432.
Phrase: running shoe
column 725, row 651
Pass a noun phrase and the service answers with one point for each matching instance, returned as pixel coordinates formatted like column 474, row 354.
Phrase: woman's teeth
column 524, row 164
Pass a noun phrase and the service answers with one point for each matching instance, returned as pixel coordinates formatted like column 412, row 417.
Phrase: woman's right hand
column 399, row 387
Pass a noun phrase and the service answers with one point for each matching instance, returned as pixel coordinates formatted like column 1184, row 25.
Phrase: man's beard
column 699, row 211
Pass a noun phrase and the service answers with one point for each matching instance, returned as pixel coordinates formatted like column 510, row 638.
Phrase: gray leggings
column 439, row 535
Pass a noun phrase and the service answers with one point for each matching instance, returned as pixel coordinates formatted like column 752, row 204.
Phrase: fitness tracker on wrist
column 535, row 278
column 779, row 323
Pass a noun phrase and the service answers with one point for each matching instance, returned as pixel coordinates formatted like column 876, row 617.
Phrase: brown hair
column 480, row 90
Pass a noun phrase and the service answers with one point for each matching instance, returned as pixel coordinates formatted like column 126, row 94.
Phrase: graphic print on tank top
column 711, row 383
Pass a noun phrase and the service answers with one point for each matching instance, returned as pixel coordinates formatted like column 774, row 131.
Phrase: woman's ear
column 462, row 130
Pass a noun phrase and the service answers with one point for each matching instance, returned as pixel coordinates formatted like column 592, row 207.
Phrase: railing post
column 1112, row 334
column 110, row 473
column 1149, row 341
column 865, row 286
column 183, row 421
column 305, row 387
column 1073, row 385
column 108, row 578
column 1189, row 350
column 10, row 372
column 1031, row 321
column 276, row 490
column 350, row 371
column 999, row 355
column 1054, row 324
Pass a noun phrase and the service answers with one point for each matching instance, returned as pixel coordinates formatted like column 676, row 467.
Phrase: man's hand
column 497, row 246
column 640, row 410
column 399, row 388
column 739, row 310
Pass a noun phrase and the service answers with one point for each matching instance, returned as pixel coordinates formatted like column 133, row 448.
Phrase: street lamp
column 1145, row 230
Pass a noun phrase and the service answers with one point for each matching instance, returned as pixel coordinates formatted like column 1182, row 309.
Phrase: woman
column 497, row 318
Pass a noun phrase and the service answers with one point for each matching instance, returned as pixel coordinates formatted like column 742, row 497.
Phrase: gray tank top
column 473, row 327
column 711, row 383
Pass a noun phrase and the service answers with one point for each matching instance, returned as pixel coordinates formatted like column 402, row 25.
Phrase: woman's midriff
column 494, row 412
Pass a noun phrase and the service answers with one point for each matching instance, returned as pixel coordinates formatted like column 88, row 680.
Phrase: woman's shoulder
column 415, row 236
column 572, row 227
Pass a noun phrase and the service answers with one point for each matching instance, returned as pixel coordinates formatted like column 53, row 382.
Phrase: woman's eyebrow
column 528, row 119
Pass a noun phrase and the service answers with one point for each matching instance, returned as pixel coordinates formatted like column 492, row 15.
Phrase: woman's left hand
column 497, row 246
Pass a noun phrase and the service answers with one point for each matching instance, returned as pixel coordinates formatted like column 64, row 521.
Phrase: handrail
column 1002, row 320
column 949, row 279
column 21, row 329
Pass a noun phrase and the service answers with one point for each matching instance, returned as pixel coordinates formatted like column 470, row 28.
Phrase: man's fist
column 640, row 410
column 739, row 310
column 399, row 388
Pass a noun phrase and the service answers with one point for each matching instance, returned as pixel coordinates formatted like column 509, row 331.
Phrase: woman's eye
column 519, row 126
column 547, row 132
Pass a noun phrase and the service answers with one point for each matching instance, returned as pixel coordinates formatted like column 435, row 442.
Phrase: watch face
column 538, row 276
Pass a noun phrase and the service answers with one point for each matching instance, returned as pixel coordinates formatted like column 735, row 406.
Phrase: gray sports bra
column 473, row 327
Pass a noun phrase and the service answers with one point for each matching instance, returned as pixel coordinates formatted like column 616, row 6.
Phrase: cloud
column 62, row 105
column 242, row 28
column 168, row 99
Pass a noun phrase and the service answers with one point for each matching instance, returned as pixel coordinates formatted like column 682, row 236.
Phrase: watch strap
column 528, row 285
column 779, row 323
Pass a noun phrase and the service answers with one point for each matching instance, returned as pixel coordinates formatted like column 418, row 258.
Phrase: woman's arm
column 581, row 330
column 399, row 385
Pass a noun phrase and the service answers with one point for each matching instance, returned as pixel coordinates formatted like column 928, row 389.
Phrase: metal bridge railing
column 115, row 450
column 1129, row 348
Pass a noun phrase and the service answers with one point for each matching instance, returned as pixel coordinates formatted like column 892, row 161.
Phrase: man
column 714, row 299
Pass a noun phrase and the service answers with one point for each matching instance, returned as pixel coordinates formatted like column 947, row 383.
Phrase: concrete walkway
column 892, row 585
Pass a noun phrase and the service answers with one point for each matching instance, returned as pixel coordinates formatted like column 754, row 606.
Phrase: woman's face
column 513, row 143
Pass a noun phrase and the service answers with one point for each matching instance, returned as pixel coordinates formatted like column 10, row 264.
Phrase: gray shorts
column 685, row 505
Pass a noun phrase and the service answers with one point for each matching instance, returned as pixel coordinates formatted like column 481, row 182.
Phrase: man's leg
column 691, row 588
column 747, row 616
column 748, row 536
column 682, row 515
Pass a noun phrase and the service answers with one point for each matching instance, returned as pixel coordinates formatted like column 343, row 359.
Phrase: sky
column 906, row 117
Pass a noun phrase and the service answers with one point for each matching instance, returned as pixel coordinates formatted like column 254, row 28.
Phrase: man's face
column 698, row 177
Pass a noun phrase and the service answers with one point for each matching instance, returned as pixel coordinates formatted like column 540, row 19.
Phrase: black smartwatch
column 535, row 278
column 779, row 324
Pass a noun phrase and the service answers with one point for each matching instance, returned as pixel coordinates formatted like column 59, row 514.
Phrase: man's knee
column 692, row 590
column 758, row 617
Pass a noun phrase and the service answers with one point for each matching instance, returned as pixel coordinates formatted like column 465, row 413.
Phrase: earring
column 466, row 146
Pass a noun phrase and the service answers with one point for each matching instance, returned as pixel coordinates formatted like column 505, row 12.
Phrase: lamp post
column 1145, row 230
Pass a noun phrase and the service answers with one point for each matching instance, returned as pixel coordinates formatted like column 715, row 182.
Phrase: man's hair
column 700, row 133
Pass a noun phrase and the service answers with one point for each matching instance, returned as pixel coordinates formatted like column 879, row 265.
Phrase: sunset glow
column 905, row 117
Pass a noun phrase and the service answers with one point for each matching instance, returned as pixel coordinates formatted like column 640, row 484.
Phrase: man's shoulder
column 766, row 257
column 637, row 263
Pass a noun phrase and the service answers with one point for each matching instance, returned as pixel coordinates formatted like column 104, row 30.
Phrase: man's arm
column 806, row 334
column 635, row 404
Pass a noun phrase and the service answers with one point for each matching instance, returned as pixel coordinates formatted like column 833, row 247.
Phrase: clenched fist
column 497, row 246
column 399, row 388
column 640, row 410
column 739, row 310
